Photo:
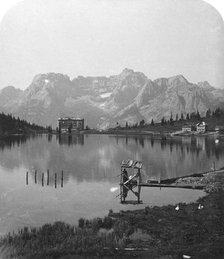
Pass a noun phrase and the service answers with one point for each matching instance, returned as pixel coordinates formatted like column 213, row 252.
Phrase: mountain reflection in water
column 97, row 157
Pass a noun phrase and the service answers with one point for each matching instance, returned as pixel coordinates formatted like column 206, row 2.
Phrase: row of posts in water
column 48, row 178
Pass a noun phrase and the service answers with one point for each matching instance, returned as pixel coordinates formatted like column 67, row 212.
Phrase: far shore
column 149, row 132
column 141, row 132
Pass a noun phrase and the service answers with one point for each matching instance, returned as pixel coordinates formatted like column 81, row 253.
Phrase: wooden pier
column 134, row 183
column 130, row 183
column 184, row 186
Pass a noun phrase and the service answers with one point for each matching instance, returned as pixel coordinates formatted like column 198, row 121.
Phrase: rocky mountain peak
column 42, row 82
column 205, row 85
column 10, row 91
column 130, row 78
column 50, row 77
column 163, row 82
column 129, row 96
column 177, row 80
column 126, row 73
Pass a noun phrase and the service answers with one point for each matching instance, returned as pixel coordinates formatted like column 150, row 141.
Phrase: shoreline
column 153, row 232
column 153, row 134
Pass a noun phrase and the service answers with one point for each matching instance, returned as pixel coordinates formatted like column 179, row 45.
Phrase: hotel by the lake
column 70, row 124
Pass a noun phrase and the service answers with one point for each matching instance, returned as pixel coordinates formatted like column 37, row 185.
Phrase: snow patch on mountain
column 105, row 95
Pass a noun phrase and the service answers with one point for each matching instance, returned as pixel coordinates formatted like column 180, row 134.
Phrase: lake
column 91, row 165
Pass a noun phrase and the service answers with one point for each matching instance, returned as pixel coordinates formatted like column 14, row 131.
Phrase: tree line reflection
column 14, row 140
column 98, row 157
column 188, row 144
column 182, row 144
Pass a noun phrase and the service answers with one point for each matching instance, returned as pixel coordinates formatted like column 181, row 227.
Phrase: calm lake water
column 91, row 164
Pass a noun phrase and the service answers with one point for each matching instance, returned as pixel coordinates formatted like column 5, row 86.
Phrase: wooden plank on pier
column 131, row 202
column 193, row 186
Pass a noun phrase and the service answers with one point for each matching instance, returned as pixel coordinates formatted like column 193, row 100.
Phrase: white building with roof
column 219, row 128
column 201, row 127
column 188, row 128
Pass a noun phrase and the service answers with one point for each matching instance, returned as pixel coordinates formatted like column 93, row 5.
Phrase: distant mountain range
column 104, row 101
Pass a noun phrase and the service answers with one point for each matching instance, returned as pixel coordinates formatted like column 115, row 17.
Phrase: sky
column 160, row 38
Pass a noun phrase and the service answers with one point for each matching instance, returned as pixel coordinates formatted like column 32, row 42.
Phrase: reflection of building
column 201, row 127
column 188, row 127
column 67, row 139
column 200, row 143
column 186, row 140
column 70, row 124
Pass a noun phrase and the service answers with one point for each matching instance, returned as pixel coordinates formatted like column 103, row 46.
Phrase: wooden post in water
column 62, row 175
column 55, row 180
column 42, row 179
column 35, row 177
column 47, row 176
column 27, row 178
column 139, row 181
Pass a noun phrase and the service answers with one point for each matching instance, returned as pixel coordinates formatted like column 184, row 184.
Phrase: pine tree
column 208, row 113
column 193, row 115
column 218, row 112
column 142, row 123
column 198, row 115
column 171, row 119
column 182, row 116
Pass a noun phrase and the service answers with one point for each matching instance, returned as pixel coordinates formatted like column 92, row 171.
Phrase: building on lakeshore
column 219, row 129
column 188, row 128
column 201, row 127
column 69, row 125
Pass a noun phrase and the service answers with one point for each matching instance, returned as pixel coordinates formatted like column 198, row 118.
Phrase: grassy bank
column 157, row 232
